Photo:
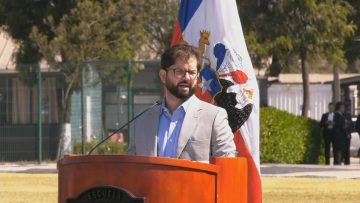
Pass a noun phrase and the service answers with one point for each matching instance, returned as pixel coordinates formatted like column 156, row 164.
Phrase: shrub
column 286, row 138
column 105, row 148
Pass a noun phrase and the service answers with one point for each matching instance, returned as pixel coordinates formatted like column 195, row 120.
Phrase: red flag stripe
column 254, row 181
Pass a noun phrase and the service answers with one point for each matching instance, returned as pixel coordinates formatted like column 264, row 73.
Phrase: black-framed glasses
column 179, row 73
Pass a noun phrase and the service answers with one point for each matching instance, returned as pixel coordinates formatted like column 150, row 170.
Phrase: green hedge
column 286, row 138
column 115, row 148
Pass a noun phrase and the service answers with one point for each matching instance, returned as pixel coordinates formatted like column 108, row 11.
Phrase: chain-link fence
column 75, row 107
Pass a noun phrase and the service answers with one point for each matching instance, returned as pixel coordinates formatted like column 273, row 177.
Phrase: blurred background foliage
column 286, row 138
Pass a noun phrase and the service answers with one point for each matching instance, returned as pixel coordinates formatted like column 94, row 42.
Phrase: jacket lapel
column 150, row 131
column 189, row 124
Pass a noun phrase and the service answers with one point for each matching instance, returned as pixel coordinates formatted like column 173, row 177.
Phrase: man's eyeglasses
column 179, row 73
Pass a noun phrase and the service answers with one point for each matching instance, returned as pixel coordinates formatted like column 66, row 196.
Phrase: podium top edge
column 125, row 159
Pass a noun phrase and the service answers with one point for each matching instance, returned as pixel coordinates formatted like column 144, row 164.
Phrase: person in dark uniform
column 328, row 128
column 357, row 128
column 340, row 133
column 357, row 124
column 349, row 127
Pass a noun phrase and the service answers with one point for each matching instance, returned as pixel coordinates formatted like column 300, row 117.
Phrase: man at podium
column 182, row 126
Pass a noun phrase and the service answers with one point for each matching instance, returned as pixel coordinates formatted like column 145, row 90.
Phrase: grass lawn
column 42, row 188
column 310, row 190
column 28, row 188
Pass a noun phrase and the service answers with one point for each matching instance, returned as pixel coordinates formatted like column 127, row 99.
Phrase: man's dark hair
column 338, row 105
column 180, row 51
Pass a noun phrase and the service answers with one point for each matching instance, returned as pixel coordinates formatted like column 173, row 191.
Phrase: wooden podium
column 137, row 179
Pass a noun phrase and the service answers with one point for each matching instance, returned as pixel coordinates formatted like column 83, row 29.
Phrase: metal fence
column 108, row 95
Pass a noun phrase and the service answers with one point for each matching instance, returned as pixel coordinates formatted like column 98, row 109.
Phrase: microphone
column 157, row 103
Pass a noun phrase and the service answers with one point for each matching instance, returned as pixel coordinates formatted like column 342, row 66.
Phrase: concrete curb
column 28, row 168
column 311, row 171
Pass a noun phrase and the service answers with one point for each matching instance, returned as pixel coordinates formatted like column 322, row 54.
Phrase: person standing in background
column 328, row 128
column 349, row 127
column 340, row 133
column 357, row 128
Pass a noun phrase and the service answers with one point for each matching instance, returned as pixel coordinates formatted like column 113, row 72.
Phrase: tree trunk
column 64, row 118
column 306, row 83
column 65, row 115
column 336, row 85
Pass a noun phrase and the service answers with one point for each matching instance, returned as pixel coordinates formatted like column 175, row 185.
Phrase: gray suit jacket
column 205, row 132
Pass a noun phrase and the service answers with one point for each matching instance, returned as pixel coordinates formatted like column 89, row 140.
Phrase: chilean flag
column 227, row 77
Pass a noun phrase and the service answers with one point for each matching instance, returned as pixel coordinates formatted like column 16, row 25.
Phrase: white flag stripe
column 217, row 17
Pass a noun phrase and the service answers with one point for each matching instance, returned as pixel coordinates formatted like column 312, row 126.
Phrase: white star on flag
column 205, row 85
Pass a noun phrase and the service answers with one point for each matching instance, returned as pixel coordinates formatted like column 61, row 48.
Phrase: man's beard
column 175, row 90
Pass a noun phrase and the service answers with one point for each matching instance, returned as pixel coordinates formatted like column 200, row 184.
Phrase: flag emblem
column 227, row 77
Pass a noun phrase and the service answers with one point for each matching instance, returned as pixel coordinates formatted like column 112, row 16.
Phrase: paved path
column 318, row 171
column 267, row 170
column 28, row 168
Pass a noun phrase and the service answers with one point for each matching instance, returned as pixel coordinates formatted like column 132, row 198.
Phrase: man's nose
column 187, row 75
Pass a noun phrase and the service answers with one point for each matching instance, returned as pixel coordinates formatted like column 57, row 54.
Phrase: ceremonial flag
column 227, row 77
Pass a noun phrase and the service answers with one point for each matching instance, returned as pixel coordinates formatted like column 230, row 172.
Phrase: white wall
column 7, row 48
column 290, row 97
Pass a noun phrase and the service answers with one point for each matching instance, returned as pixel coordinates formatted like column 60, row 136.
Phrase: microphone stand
column 126, row 124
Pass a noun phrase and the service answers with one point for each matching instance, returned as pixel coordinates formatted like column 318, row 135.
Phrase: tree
column 68, row 34
column 160, row 18
column 92, row 31
column 310, row 28
column 17, row 19
column 352, row 45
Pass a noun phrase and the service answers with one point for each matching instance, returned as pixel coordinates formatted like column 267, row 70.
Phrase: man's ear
column 162, row 75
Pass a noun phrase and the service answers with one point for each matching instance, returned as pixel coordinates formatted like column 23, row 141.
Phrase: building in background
column 19, row 108
column 286, row 92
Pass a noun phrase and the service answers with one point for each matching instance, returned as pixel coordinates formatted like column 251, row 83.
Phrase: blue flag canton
column 210, row 81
